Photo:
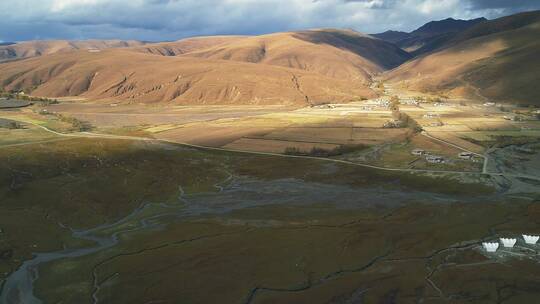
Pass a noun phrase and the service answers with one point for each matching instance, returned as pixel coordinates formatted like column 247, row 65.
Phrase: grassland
column 327, row 127
column 187, row 223
column 84, row 182
column 312, row 254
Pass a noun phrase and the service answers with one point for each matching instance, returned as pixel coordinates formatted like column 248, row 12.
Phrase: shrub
column 78, row 125
column 293, row 151
column 321, row 152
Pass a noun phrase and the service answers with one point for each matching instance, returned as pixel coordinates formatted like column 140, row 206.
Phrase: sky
column 160, row 20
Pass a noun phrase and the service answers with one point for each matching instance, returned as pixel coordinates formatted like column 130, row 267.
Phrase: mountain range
column 297, row 68
column 478, row 58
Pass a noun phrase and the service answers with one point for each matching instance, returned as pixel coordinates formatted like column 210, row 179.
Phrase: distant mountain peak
column 392, row 36
column 447, row 25
column 429, row 35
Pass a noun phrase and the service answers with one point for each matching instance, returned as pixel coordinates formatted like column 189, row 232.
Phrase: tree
column 394, row 106
column 394, row 103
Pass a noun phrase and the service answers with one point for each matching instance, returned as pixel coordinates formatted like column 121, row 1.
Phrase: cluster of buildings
column 409, row 101
column 431, row 115
column 436, row 124
column 436, row 159
column 510, row 242
column 383, row 101
column 394, row 123
column 323, row 106
column 439, row 104
column 513, row 117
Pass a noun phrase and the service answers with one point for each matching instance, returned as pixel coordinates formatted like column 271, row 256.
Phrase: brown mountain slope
column 495, row 60
column 187, row 45
column 340, row 54
column 35, row 48
column 124, row 75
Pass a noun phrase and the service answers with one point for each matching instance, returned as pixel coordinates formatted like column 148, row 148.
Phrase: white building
column 490, row 247
column 508, row 243
column 531, row 239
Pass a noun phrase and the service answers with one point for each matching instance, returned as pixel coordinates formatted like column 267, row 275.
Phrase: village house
column 466, row 155
column 434, row 159
column 431, row 115
column 418, row 152
column 409, row 101
column 513, row 117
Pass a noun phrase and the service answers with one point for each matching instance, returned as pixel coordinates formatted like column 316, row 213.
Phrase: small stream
column 19, row 285
column 239, row 193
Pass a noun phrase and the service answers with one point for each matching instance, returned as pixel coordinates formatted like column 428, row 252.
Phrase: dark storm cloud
column 507, row 4
column 174, row 19
column 496, row 8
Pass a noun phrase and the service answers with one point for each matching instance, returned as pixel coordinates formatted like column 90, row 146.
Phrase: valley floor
column 266, row 205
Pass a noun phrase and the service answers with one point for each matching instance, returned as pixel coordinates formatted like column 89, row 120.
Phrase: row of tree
column 21, row 96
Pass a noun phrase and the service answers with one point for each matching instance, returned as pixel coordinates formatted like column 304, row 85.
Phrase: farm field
column 334, row 128
column 114, row 115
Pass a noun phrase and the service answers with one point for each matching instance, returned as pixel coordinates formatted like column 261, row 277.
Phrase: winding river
column 238, row 193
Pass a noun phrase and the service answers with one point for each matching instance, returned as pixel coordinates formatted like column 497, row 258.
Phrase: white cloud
column 436, row 6
column 60, row 5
